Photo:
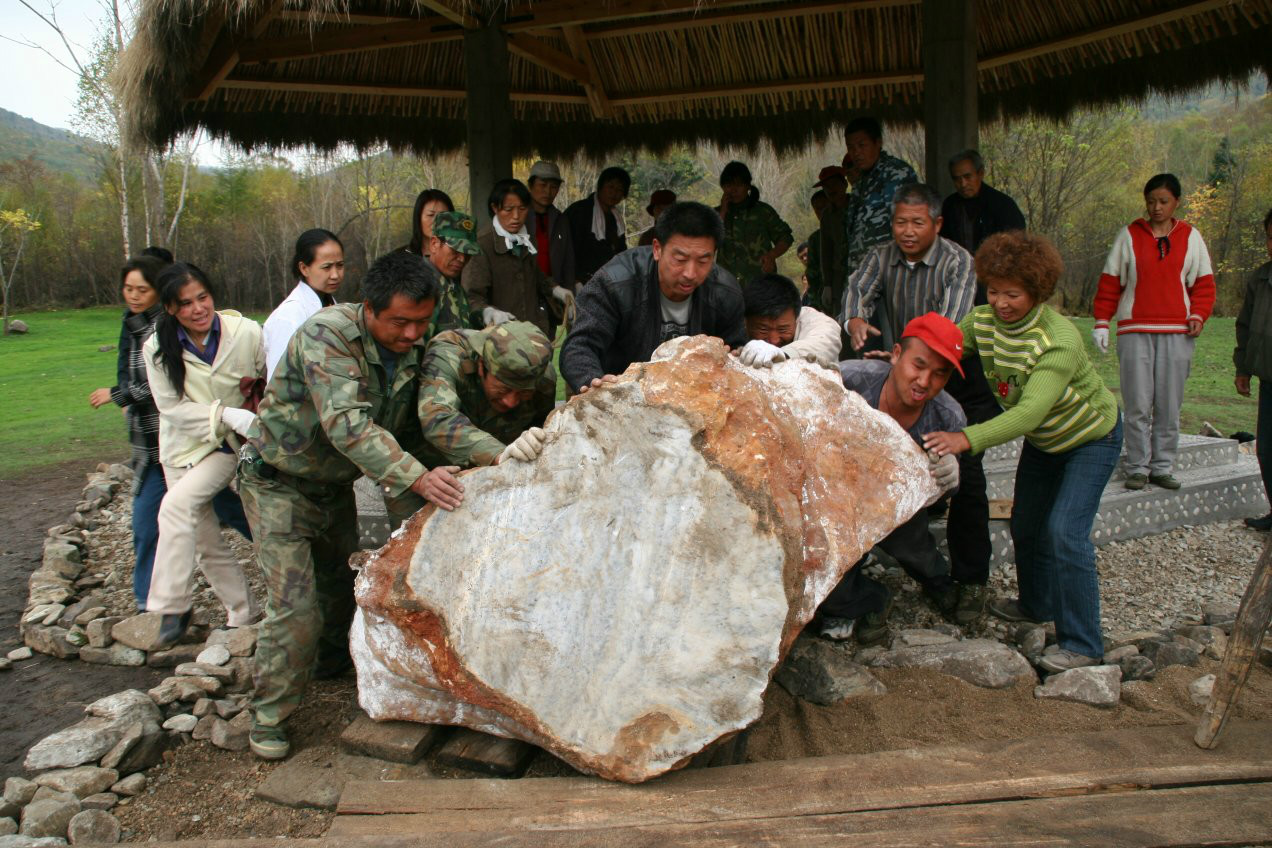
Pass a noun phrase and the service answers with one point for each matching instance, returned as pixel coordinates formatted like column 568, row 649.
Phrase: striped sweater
column 1153, row 285
column 1039, row 371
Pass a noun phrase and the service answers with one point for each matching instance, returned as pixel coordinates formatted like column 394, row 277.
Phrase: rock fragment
column 825, row 674
column 93, row 827
column 1096, row 685
column 981, row 662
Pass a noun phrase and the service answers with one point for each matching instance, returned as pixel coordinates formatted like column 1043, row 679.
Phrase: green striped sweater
column 1038, row 370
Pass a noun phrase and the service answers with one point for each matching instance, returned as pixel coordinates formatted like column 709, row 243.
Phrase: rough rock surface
column 93, row 827
column 110, row 719
column 81, row 782
column 624, row 600
column 1097, row 685
column 48, row 817
column 981, row 662
column 825, row 673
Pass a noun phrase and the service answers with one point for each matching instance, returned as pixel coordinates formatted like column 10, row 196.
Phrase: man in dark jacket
column 976, row 211
column 548, row 226
column 647, row 295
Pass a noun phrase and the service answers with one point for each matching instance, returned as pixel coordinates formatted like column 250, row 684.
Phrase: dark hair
column 690, row 219
column 917, row 194
column 1267, row 220
column 503, row 188
column 869, row 126
column 769, row 296
column 148, row 266
column 417, row 231
column 972, row 155
column 737, row 172
column 1022, row 257
column 803, row 245
column 398, row 273
column 163, row 254
column 307, row 247
column 1170, row 182
column 169, row 354
column 613, row 172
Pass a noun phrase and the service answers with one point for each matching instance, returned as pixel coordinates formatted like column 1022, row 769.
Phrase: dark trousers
column 967, row 527
column 1057, row 497
column 913, row 547
column 145, row 525
column 1263, row 436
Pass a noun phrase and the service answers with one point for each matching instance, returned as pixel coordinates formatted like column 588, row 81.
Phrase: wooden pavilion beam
column 596, row 96
column 544, row 54
column 372, row 90
column 421, row 31
column 225, row 53
column 778, row 87
column 1101, row 34
column 561, row 13
column 450, row 13
column 708, row 18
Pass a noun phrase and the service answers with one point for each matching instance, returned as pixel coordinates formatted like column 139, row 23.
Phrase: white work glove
column 944, row 471
column 238, row 420
column 526, row 447
column 563, row 294
column 760, row 354
column 1100, row 335
column 494, row 316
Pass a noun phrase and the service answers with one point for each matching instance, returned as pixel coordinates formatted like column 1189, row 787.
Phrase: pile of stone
column 86, row 769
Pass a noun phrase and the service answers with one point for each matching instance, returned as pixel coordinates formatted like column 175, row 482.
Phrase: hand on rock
column 760, row 354
column 1100, row 336
column 440, row 487
column 238, row 420
column 525, row 447
column 494, row 316
column 597, row 383
column 944, row 471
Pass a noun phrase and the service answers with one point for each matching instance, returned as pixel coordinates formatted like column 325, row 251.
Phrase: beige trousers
column 188, row 533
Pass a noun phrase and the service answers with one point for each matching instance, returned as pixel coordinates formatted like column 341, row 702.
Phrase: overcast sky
column 35, row 86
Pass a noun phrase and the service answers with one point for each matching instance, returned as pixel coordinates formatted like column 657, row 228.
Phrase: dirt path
column 42, row 695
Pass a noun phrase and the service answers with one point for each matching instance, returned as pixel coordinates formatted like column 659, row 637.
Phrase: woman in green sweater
column 1036, row 364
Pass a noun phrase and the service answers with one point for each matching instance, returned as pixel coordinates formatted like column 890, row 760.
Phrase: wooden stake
column 1243, row 648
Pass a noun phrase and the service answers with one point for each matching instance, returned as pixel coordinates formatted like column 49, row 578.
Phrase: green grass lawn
column 47, row 375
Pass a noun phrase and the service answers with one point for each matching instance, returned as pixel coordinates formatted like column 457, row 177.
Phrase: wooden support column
column 489, row 114
column 949, row 85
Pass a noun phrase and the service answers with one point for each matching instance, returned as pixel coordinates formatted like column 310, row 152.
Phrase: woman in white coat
column 202, row 366
column 319, row 263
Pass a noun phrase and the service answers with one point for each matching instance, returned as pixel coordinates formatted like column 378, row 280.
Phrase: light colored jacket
column 284, row 321
column 190, row 426
column 816, row 338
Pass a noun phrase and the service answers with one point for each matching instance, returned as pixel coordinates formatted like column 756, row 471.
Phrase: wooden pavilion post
column 489, row 110
column 949, row 85
column 1243, row 649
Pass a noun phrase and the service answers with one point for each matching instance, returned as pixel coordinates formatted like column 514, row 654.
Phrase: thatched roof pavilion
column 554, row 77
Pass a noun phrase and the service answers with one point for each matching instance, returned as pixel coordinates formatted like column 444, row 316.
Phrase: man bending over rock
column 483, row 396
column 910, row 389
column 647, row 295
column 780, row 329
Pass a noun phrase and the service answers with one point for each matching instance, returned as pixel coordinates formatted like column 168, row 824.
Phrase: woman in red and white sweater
column 1159, row 286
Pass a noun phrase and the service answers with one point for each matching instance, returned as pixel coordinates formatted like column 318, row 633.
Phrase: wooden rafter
column 560, row 13
column 422, row 31
column 1100, row 34
column 450, row 13
column 544, row 54
column 712, row 18
column 371, row 90
column 301, row 16
column 225, row 52
column 596, row 97
column 778, row 87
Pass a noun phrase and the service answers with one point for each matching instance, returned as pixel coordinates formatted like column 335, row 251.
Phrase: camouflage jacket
column 328, row 416
column 867, row 219
column 453, row 311
column 460, row 426
column 750, row 230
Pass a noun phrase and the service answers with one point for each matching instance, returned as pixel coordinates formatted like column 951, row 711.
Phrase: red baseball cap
column 939, row 333
column 828, row 173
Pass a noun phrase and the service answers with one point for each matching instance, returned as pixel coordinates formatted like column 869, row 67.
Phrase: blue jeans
column 145, row 525
column 1056, row 500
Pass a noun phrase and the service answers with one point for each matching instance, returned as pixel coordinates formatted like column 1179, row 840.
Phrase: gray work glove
column 526, row 447
column 944, row 471
column 760, row 354
column 494, row 316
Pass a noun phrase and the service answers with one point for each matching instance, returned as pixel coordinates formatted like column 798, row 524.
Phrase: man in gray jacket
column 647, row 295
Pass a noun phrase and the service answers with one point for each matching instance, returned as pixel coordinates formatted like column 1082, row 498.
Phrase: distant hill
column 59, row 150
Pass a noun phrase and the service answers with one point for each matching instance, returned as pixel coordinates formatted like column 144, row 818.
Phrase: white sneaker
column 838, row 629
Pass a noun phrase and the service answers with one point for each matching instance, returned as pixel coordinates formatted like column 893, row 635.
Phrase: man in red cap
column 658, row 201
column 834, row 181
column 909, row 388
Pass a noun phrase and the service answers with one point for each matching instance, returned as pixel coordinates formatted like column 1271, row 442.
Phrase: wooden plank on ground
column 395, row 741
column 481, row 752
column 1230, row 814
column 980, row 772
column 1000, row 509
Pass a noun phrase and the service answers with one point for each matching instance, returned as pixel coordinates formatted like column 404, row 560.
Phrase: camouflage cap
column 457, row 230
column 517, row 354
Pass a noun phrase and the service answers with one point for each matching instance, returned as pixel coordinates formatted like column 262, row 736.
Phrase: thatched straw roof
column 595, row 75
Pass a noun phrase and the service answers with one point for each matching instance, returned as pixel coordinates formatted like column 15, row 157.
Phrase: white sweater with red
column 1149, row 289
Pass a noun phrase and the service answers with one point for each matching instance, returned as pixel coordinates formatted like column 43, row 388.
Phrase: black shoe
column 872, row 628
column 972, row 598
column 1262, row 524
column 1009, row 609
column 944, row 597
column 171, row 628
column 329, row 668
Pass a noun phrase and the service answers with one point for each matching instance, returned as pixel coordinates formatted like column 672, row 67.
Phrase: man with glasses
column 483, row 396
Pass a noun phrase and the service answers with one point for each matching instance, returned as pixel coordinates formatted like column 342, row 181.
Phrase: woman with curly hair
column 1037, row 366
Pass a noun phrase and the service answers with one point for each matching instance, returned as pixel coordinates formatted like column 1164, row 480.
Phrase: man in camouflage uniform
column 446, row 253
column 346, row 386
column 868, row 216
column 483, row 396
